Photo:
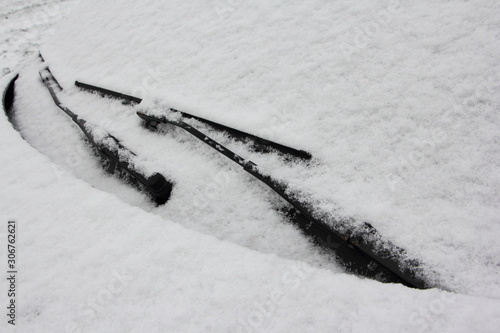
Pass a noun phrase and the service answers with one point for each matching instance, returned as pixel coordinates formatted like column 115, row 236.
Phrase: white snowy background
column 396, row 100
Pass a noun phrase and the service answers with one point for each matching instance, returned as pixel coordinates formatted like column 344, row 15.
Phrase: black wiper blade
column 361, row 250
column 118, row 157
column 256, row 143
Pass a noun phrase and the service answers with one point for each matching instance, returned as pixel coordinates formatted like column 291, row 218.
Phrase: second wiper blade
column 256, row 143
column 361, row 250
column 110, row 149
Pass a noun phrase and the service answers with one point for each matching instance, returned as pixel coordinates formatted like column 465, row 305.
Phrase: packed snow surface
column 397, row 101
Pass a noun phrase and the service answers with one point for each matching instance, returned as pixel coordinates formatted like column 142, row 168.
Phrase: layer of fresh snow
column 89, row 262
column 403, row 129
column 397, row 102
